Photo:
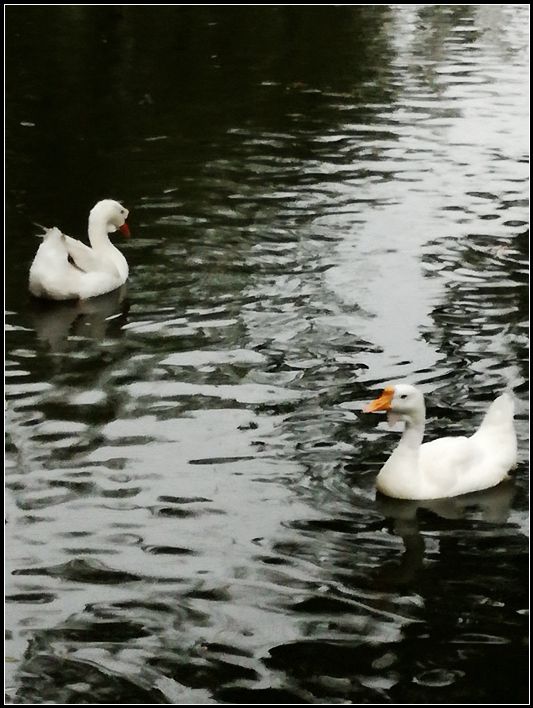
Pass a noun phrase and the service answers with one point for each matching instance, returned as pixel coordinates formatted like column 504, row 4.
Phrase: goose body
column 450, row 466
column 66, row 269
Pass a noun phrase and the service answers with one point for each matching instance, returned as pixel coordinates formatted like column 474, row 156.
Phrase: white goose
column 66, row 269
column 446, row 467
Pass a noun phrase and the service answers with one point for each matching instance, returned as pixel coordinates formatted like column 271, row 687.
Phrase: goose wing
column 82, row 256
column 446, row 461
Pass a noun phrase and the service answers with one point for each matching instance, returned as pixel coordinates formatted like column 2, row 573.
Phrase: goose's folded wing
column 446, row 460
column 82, row 256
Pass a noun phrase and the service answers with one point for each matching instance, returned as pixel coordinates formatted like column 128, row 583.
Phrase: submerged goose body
column 450, row 466
column 66, row 269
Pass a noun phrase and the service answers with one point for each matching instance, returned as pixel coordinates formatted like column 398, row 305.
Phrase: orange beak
column 124, row 230
column 383, row 403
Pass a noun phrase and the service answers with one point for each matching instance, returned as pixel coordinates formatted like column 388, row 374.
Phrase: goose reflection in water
column 490, row 506
column 57, row 322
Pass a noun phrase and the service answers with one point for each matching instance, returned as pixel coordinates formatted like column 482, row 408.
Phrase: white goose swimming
column 66, row 269
column 446, row 467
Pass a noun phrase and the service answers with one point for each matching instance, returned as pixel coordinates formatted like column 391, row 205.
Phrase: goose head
column 112, row 215
column 402, row 402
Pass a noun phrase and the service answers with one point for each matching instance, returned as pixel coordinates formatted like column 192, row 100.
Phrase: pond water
column 323, row 200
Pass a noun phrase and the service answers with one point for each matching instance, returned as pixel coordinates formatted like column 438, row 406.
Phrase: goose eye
column 404, row 395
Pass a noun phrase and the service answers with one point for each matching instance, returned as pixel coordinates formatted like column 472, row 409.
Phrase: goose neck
column 413, row 433
column 98, row 235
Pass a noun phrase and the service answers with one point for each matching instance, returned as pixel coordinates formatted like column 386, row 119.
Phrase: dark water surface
column 322, row 200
